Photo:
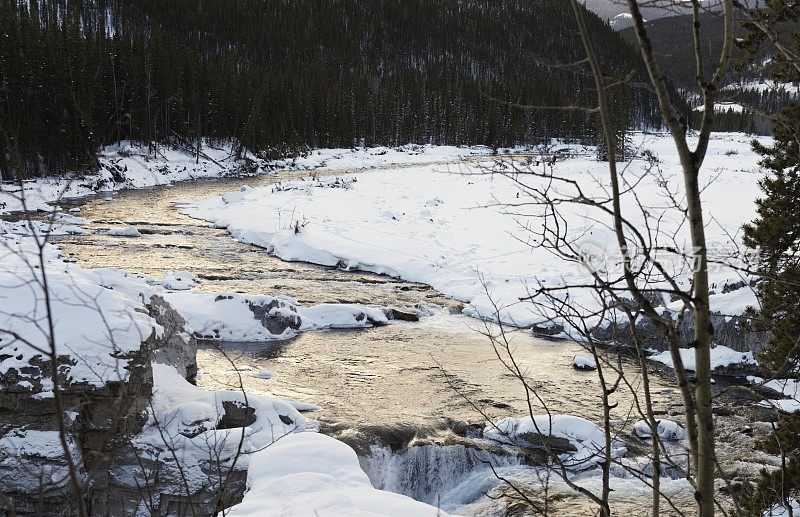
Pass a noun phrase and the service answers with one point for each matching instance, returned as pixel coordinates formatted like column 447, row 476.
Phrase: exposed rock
column 547, row 331
column 236, row 415
column 536, row 441
column 34, row 474
column 178, row 347
column 134, row 484
column 730, row 331
column 394, row 313
column 276, row 322
column 729, row 288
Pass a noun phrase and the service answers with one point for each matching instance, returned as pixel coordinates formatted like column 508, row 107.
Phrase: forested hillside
column 672, row 40
column 278, row 77
column 748, row 88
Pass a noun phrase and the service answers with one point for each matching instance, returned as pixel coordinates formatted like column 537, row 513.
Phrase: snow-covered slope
column 99, row 329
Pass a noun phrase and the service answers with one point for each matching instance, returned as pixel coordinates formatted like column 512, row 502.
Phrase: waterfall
column 447, row 476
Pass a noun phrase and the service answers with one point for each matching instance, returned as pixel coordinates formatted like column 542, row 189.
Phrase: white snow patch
column 721, row 356
column 441, row 226
column 789, row 388
column 184, row 418
column 337, row 315
column 724, row 107
column 765, row 85
column 582, row 434
column 584, row 362
column 667, row 430
column 96, row 326
column 313, row 474
column 230, row 316
column 127, row 231
column 43, row 444
column 179, row 280
column 137, row 168
column 61, row 217
column 782, row 511
column 32, row 459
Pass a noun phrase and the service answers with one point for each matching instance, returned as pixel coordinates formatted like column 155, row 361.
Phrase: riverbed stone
column 400, row 314
column 276, row 315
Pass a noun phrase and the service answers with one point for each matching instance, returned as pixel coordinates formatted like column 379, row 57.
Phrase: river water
column 423, row 376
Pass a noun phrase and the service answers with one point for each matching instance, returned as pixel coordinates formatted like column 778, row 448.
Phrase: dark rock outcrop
column 276, row 322
column 179, row 347
column 118, row 477
column 99, row 421
column 730, row 331
column 395, row 313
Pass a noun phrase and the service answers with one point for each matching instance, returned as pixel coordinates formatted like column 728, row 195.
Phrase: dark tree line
column 279, row 77
column 671, row 38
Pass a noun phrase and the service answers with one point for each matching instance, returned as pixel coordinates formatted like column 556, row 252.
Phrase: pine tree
column 621, row 119
column 775, row 234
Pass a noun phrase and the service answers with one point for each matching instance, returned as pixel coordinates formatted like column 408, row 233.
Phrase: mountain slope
column 746, row 89
column 616, row 11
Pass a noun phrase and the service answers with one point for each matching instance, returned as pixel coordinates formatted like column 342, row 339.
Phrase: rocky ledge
column 120, row 467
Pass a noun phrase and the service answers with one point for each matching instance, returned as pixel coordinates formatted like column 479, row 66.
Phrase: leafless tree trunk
column 637, row 280
column 704, row 457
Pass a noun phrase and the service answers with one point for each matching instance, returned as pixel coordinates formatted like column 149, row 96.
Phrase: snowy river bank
column 392, row 392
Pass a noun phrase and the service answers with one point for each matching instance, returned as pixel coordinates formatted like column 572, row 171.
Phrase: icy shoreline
column 131, row 166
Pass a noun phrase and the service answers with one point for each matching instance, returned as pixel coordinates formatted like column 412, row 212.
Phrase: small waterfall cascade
column 448, row 476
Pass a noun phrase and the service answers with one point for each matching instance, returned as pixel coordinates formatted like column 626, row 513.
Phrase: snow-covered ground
column 666, row 429
column 449, row 227
column 765, row 85
column 131, row 166
column 789, row 389
column 97, row 317
column 721, row 356
column 465, row 231
column 724, row 107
